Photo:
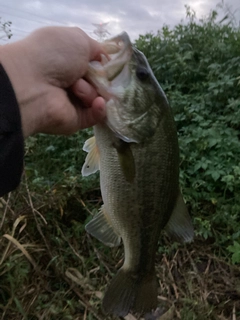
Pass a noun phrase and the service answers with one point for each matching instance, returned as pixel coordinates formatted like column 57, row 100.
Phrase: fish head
column 134, row 98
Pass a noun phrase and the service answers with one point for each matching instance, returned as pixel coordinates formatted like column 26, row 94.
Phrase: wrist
column 27, row 91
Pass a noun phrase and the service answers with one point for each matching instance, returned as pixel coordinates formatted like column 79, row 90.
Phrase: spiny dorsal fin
column 91, row 164
column 180, row 225
column 100, row 227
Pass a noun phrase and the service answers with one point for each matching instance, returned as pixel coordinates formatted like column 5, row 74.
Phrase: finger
column 88, row 117
column 84, row 91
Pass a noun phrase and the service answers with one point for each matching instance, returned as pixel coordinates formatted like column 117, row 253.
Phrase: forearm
column 16, row 61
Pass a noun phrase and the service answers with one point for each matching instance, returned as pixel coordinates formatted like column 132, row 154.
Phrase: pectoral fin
column 180, row 225
column 100, row 227
column 91, row 164
column 126, row 159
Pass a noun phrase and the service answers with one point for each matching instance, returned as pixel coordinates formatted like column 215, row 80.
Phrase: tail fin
column 130, row 292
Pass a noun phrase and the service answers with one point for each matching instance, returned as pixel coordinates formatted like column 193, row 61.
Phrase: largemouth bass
column 136, row 151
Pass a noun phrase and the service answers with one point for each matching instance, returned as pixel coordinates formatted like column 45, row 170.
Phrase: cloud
column 145, row 16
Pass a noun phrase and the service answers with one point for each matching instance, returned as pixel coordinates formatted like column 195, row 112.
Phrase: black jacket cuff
column 11, row 137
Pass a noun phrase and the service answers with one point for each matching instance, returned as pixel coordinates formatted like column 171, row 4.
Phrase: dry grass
column 51, row 269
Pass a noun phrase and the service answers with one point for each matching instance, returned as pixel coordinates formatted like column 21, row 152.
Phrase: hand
column 46, row 70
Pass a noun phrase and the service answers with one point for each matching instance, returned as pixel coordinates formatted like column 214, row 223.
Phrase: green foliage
column 198, row 66
column 53, row 165
column 235, row 250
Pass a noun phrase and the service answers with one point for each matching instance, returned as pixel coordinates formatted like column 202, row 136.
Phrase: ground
column 50, row 268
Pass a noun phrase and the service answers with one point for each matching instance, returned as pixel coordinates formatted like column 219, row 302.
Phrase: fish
column 136, row 151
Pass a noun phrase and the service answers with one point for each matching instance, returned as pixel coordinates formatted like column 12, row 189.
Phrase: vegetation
column 198, row 66
column 51, row 269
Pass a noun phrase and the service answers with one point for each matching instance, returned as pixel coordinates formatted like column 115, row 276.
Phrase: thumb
column 88, row 117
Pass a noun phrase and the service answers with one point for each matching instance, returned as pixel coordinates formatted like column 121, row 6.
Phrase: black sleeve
column 11, row 137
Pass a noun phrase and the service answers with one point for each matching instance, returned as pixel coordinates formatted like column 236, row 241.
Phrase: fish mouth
column 119, row 51
column 117, row 45
column 117, row 54
column 111, row 76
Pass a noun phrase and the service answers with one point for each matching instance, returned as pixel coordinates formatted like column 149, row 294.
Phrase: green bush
column 198, row 66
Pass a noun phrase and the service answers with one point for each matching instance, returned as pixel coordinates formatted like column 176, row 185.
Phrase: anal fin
column 180, row 225
column 101, row 228
column 91, row 164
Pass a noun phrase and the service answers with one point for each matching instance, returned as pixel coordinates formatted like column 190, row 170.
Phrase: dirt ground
column 51, row 269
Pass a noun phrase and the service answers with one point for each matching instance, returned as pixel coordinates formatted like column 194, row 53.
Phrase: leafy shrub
column 198, row 66
column 53, row 166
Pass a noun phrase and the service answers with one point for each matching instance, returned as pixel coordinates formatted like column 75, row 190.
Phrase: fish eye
column 142, row 73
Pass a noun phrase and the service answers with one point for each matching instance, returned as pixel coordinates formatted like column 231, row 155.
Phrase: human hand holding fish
column 136, row 151
column 46, row 70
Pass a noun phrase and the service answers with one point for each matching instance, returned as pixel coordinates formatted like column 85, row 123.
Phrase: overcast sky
column 135, row 17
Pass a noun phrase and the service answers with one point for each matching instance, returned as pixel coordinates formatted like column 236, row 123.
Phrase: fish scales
column 147, row 198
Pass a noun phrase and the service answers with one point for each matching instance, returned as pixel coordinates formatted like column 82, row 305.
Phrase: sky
column 134, row 17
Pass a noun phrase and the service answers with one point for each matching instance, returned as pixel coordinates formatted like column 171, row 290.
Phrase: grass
column 50, row 268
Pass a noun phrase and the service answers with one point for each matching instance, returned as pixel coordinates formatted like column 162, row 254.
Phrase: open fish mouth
column 117, row 43
column 118, row 52
column 111, row 76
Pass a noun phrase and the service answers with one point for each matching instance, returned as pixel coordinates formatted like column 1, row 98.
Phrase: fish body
column 136, row 151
